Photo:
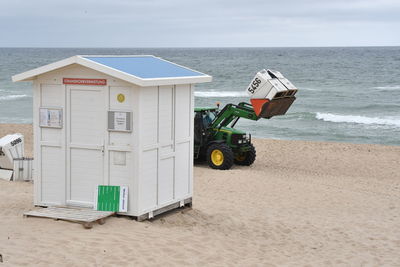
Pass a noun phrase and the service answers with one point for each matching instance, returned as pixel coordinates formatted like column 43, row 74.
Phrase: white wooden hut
column 113, row 120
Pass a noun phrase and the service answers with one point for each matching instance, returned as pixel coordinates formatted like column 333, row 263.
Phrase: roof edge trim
column 30, row 74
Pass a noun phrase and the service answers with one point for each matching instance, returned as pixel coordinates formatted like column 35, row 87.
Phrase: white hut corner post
column 114, row 120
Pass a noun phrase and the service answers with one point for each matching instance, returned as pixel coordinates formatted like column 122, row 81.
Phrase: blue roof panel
column 145, row 67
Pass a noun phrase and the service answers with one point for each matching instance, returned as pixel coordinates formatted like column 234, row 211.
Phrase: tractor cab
column 203, row 117
column 207, row 115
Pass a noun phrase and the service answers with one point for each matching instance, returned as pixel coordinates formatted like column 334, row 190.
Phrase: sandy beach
column 300, row 204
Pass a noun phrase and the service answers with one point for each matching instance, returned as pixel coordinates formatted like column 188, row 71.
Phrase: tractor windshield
column 208, row 117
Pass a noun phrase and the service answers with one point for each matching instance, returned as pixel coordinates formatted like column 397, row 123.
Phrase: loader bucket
column 265, row 108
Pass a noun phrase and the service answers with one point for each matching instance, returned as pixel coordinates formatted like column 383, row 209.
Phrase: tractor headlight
column 240, row 141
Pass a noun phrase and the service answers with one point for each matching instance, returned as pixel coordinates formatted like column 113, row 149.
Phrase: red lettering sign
column 84, row 81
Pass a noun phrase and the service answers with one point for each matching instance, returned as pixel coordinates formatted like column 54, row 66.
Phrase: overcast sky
column 208, row 23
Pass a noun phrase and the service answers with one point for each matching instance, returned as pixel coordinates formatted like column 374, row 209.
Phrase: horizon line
column 195, row 47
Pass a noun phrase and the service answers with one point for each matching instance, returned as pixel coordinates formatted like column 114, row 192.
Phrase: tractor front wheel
column 246, row 158
column 220, row 156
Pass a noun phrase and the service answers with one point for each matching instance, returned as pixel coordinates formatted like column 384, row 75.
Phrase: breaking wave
column 12, row 97
column 388, row 88
column 357, row 119
column 220, row 94
column 309, row 89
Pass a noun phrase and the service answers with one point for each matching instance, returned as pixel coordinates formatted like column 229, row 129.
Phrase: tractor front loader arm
column 232, row 112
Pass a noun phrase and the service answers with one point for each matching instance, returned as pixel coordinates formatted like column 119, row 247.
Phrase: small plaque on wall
column 120, row 121
column 50, row 117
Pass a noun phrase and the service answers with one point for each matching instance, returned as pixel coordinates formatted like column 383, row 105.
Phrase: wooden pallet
column 86, row 217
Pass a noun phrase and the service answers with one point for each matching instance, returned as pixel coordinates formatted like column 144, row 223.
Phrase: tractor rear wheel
column 220, row 156
column 246, row 158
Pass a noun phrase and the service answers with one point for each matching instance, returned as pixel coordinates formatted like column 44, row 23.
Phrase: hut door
column 86, row 133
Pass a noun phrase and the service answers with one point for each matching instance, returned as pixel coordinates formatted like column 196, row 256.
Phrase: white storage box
column 271, row 94
column 11, row 147
column 265, row 86
column 269, row 84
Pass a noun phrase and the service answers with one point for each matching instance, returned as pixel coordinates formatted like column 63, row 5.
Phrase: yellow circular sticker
column 120, row 98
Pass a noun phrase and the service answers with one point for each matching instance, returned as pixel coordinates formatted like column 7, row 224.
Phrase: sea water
column 345, row 94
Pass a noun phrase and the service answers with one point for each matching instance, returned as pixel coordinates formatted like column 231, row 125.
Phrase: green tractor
column 216, row 139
